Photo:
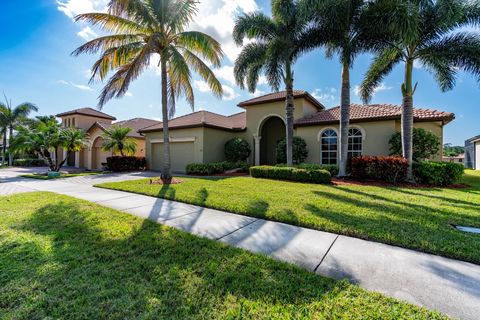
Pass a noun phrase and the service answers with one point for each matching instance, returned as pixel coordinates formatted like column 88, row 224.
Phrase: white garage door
column 181, row 154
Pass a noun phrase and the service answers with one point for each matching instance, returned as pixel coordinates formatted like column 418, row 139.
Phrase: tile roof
column 87, row 112
column 373, row 112
column 136, row 124
column 235, row 122
column 279, row 96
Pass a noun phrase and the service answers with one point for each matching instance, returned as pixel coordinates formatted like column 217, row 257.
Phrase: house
column 201, row 136
column 472, row 153
column 94, row 123
column 455, row 159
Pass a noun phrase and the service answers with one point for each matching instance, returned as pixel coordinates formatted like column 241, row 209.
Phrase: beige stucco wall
column 214, row 148
column 81, row 121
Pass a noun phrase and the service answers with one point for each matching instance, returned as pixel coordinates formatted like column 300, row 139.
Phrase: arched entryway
column 98, row 156
column 272, row 131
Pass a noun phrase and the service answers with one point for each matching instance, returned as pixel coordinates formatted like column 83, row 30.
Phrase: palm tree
column 140, row 30
column 432, row 34
column 116, row 139
column 348, row 35
column 279, row 42
column 11, row 117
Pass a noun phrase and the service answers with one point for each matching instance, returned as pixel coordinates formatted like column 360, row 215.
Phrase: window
column 328, row 147
column 354, row 143
column 73, row 122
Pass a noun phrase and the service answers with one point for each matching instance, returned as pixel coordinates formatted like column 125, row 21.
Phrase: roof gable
column 87, row 112
column 279, row 96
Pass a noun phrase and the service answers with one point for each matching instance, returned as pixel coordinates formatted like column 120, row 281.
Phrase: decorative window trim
column 320, row 142
column 364, row 134
column 319, row 135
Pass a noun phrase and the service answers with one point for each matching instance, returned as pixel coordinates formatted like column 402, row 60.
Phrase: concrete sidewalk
column 446, row 285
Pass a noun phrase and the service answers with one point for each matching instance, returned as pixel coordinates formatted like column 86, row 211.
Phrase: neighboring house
column 95, row 123
column 472, row 153
column 201, row 136
column 455, row 159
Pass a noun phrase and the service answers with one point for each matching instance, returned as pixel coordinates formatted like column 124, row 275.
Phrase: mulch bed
column 351, row 182
column 161, row 182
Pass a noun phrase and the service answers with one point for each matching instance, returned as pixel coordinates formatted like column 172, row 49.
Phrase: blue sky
column 37, row 37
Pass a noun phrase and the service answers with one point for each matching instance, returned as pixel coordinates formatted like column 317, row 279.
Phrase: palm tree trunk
column 10, row 155
column 344, row 119
column 407, row 118
column 166, row 173
column 4, row 145
column 289, row 107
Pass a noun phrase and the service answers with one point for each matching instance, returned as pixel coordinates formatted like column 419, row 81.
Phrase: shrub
column 291, row 174
column 215, row 167
column 390, row 169
column 333, row 169
column 437, row 173
column 300, row 151
column 425, row 144
column 29, row 162
column 237, row 149
column 117, row 163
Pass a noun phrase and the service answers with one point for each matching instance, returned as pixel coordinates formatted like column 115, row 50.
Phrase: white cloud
column 78, row 86
column 87, row 34
column 381, row 87
column 229, row 93
column 225, row 73
column 258, row 93
column 202, row 86
column 128, row 94
column 325, row 96
column 71, row 8
column 217, row 18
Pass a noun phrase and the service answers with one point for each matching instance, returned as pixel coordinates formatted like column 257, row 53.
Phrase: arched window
column 328, row 147
column 355, row 139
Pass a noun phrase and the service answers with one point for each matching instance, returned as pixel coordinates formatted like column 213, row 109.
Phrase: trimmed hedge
column 390, row 169
column 215, row 167
column 35, row 162
column 291, row 174
column 437, row 173
column 127, row 163
column 333, row 169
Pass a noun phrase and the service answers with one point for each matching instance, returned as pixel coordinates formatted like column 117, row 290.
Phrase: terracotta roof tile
column 360, row 112
column 87, row 112
column 136, row 124
column 278, row 96
column 235, row 122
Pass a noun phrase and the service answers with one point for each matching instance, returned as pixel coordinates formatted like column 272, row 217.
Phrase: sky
column 37, row 37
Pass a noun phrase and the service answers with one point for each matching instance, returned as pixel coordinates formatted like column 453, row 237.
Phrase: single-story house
column 200, row 136
column 455, row 159
column 95, row 123
column 472, row 153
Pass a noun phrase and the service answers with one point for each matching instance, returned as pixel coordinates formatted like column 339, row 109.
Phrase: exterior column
column 257, row 149
column 77, row 159
column 89, row 159
column 64, row 154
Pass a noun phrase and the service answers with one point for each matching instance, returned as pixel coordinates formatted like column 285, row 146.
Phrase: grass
column 66, row 258
column 67, row 175
column 419, row 219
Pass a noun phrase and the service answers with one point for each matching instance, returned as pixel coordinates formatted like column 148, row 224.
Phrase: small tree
column 300, row 151
column 44, row 137
column 237, row 149
column 425, row 144
column 116, row 139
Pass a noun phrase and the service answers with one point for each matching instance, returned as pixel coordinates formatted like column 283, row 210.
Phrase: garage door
column 181, row 154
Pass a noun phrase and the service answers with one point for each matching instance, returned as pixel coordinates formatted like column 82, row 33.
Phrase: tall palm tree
column 140, row 30
column 279, row 42
column 116, row 139
column 431, row 33
column 348, row 32
column 11, row 117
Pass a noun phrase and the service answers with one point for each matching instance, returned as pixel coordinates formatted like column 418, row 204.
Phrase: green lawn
column 67, row 175
column 62, row 258
column 413, row 218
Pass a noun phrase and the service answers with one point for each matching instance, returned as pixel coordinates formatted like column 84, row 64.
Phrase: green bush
column 390, row 169
column 291, row 174
column 426, row 145
column 300, row 151
column 35, row 162
column 127, row 163
column 333, row 169
column 215, row 167
column 237, row 149
column 437, row 173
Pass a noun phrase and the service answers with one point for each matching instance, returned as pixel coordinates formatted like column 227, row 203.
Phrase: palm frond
column 180, row 13
column 179, row 78
column 255, row 25
column 201, row 44
column 381, row 65
column 251, row 54
column 108, row 42
column 203, row 71
column 112, row 23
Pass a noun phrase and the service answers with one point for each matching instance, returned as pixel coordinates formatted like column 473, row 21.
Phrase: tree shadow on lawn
column 129, row 268
column 397, row 223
